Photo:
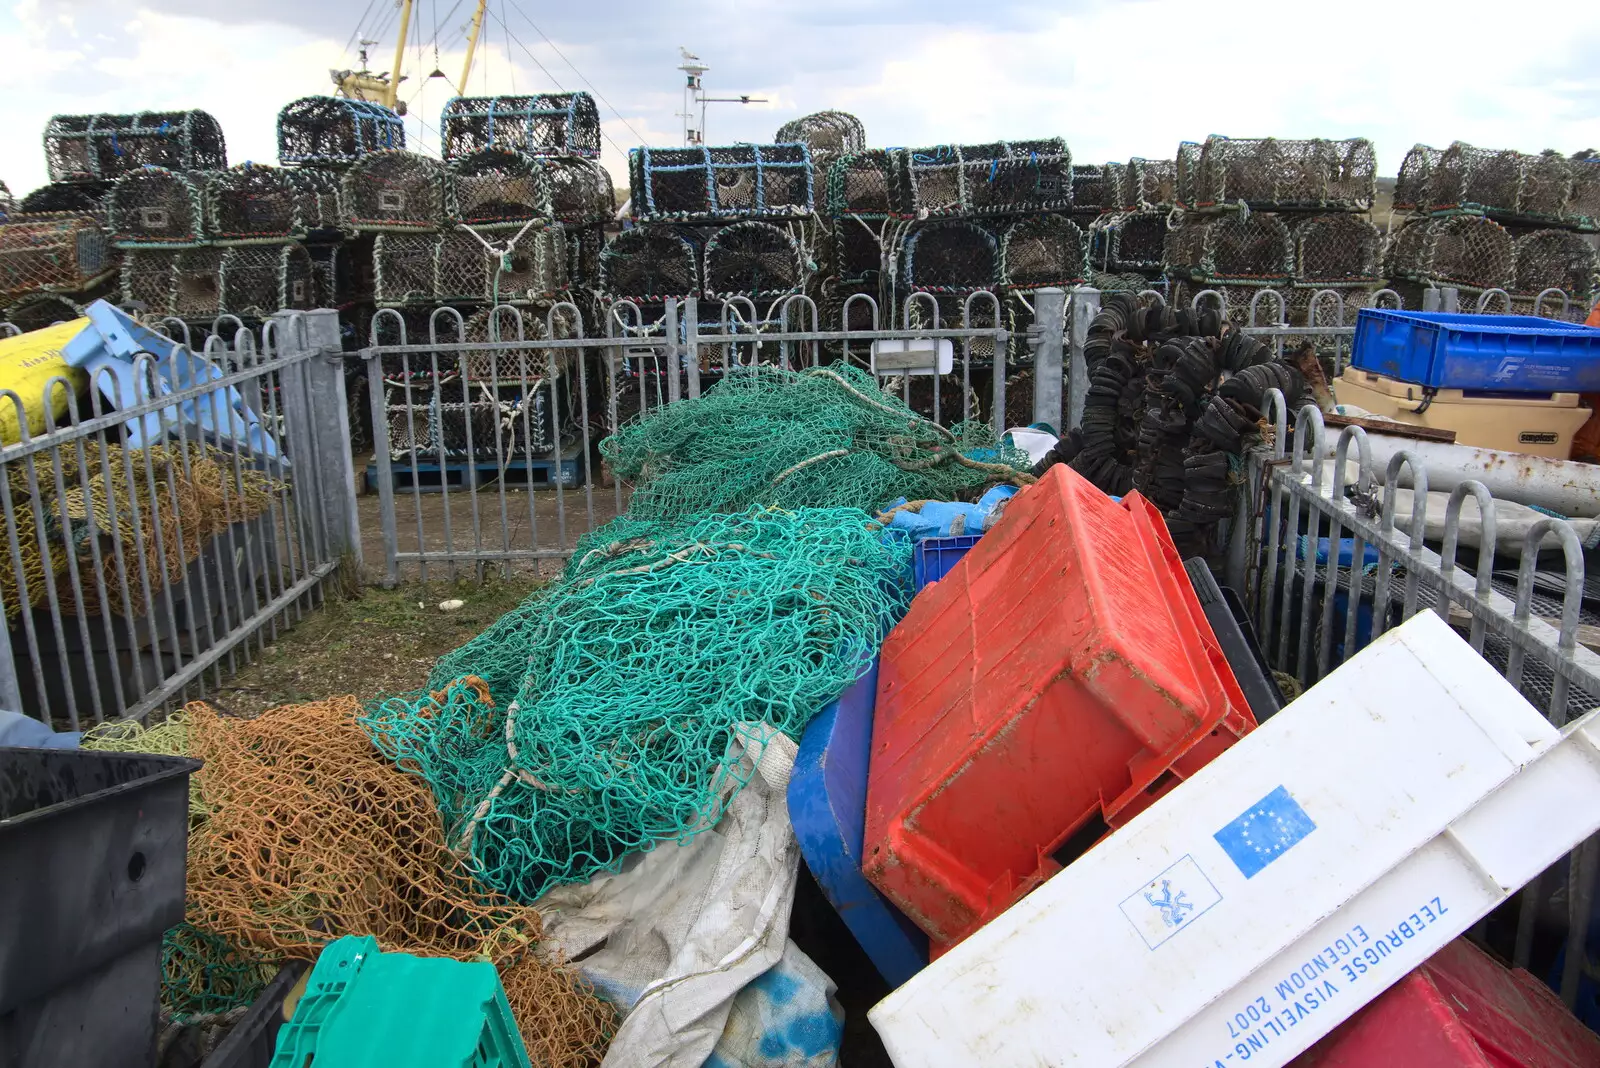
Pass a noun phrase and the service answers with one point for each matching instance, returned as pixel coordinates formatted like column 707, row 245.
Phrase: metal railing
column 1329, row 565
column 147, row 547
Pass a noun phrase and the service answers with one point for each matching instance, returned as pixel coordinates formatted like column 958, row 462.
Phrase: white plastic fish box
column 1256, row 906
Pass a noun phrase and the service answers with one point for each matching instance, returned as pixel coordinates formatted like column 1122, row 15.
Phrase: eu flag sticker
column 1264, row 832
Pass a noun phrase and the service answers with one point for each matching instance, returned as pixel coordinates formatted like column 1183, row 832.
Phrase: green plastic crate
column 363, row 1007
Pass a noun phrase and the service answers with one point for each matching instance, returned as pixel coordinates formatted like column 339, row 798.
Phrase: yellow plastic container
column 27, row 362
column 1541, row 424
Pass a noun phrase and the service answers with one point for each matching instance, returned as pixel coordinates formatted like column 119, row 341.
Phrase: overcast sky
column 1116, row 78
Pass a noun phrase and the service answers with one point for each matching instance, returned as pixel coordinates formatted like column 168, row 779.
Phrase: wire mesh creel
column 950, row 256
column 251, row 203
column 394, row 190
column 721, row 183
column 1135, row 241
column 81, row 148
column 1502, row 184
column 1043, row 250
column 53, row 253
column 1556, row 259
column 1253, row 248
column 157, row 207
column 1270, row 174
column 581, row 193
column 871, row 185
column 185, row 282
column 753, row 259
column 547, row 124
column 1150, row 185
column 1337, row 249
column 1003, row 177
column 496, row 189
column 650, row 263
column 829, row 135
column 1467, row 251
column 335, row 131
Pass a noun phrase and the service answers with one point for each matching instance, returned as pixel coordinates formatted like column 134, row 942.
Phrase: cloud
column 1116, row 78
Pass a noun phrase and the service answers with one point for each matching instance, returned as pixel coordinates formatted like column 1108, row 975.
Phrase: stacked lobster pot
column 494, row 243
column 1287, row 216
column 56, row 251
column 1128, row 235
column 1503, row 227
column 734, row 227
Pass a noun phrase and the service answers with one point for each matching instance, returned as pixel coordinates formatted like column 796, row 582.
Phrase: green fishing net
column 660, row 645
column 201, row 974
column 823, row 437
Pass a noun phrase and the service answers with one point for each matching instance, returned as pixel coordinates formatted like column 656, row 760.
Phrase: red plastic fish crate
column 1053, row 685
column 1461, row 1009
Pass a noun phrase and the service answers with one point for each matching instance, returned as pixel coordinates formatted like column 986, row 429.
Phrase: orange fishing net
column 312, row 835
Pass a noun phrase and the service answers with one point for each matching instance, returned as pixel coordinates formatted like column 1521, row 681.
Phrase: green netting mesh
column 824, row 437
column 201, row 974
column 658, row 646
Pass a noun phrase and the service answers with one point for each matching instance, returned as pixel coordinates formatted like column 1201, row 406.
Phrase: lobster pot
column 584, row 245
column 252, row 202
column 394, row 190
column 650, row 264
column 333, row 131
column 1118, row 187
column 726, row 182
column 403, row 268
column 1465, row 251
column 1236, row 298
column 752, row 259
column 461, row 268
column 954, row 312
column 498, row 188
column 504, row 368
column 1280, row 175
column 409, row 421
column 87, row 148
column 1186, row 174
column 197, row 282
column 1111, row 282
column 857, row 248
column 1337, row 250
column 67, row 198
column 1413, row 189
column 1136, row 241
column 538, row 266
column 316, row 194
column 326, row 272
column 149, row 278
column 465, row 429
column 1583, row 207
column 869, row 184
column 58, row 253
column 258, row 280
column 950, row 256
column 829, row 135
column 1556, row 259
column 1502, row 184
column 1233, row 248
column 39, row 310
column 999, row 178
column 549, row 124
column 1043, row 250
column 156, row 207
column 1089, row 189
column 580, row 191
column 1152, row 185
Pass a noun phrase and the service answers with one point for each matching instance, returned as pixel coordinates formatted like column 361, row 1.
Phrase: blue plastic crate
column 1500, row 353
column 934, row 558
column 828, row 807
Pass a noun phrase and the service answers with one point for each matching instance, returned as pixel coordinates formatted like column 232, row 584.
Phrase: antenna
column 694, row 96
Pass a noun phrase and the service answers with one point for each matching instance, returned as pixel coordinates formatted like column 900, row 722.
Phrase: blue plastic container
column 1498, row 353
column 828, row 807
column 934, row 558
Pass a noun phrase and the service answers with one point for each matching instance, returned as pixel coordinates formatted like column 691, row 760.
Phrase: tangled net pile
column 312, row 835
column 824, row 437
column 1173, row 403
column 658, row 647
column 151, row 501
column 170, row 737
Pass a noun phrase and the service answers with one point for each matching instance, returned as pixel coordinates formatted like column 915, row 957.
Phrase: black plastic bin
column 254, row 1039
column 91, row 873
column 1231, row 624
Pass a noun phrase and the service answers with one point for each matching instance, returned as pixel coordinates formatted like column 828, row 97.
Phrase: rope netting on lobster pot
column 316, row 195
column 1583, row 207
column 1235, row 251
column 1338, row 251
column 723, row 182
column 498, row 189
column 1043, row 250
column 1175, row 399
column 1555, row 260
column 251, row 202
column 544, row 124
column 335, row 131
column 53, row 253
column 1270, row 174
column 753, row 259
column 650, row 264
column 600, row 717
column 828, row 134
column 1503, row 184
column 1413, row 189
column 39, row 310
column 254, row 281
column 1131, row 242
column 404, row 268
column 70, row 198
column 1090, row 195
column 1186, row 174
column 1150, row 185
column 82, row 148
column 394, row 190
column 156, row 207
column 1002, row 177
column 581, row 193
column 311, row 834
column 1469, row 252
